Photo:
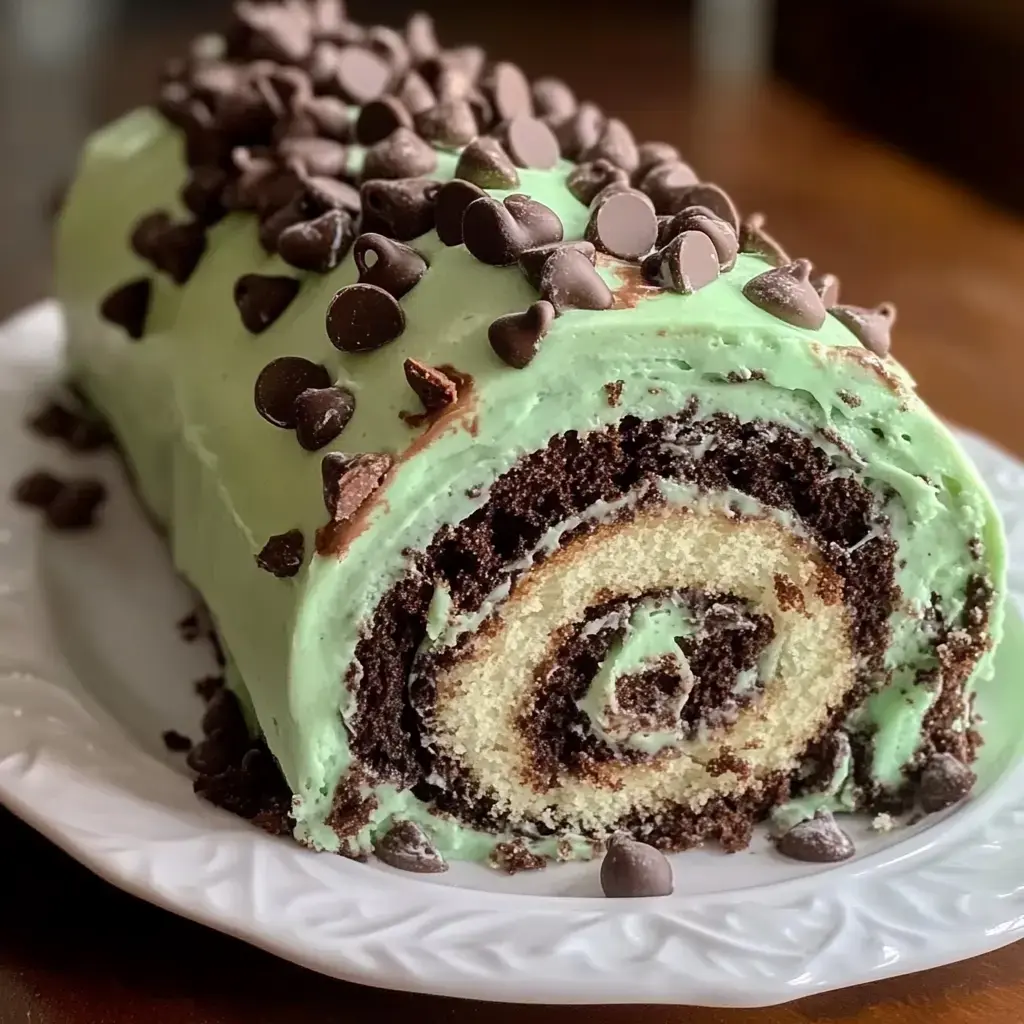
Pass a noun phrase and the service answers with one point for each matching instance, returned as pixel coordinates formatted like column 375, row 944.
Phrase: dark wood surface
column 75, row 951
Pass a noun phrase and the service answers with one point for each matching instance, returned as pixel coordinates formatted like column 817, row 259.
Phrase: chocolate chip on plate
column 75, row 505
column 37, row 489
column 570, row 281
column 364, row 317
column 452, row 199
column 688, row 263
column 433, row 388
column 616, row 144
column 540, row 223
column 945, row 781
column 516, row 337
column 318, row 245
column 872, row 327
column 379, row 118
column 321, row 414
column 818, row 841
column 787, row 293
column 407, row 847
column 282, row 555
column 403, row 154
column 281, row 382
column 531, row 261
column 402, row 208
column 530, row 143
column 492, row 234
column 623, row 225
column 450, row 123
column 631, row 869
column 757, row 242
column 128, row 307
column 394, row 267
column 484, row 162
column 586, row 180
column 262, row 298
column 349, row 480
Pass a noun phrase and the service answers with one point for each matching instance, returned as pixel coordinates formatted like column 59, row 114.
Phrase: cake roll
column 536, row 494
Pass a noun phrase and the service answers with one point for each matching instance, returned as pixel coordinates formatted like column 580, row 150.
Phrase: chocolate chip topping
column 364, row 317
column 756, row 241
column 281, row 382
column 421, row 37
column 700, row 218
column 491, row 233
column 530, row 143
column 203, row 194
column 586, row 180
column 451, row 123
column 688, row 263
column 328, row 116
column 403, row 208
column 623, row 225
column 553, row 99
column 318, row 245
column 321, row 414
column 787, row 293
column 403, row 154
column 615, row 144
column 818, row 841
column 433, row 388
column 394, row 267
column 75, row 505
column 407, row 847
column 632, row 869
column 329, row 194
column 579, row 133
column 282, row 555
column 320, row 158
column 261, row 299
column 128, row 306
column 827, row 286
column 667, row 185
column 175, row 249
column 509, row 91
column 570, row 281
column 37, row 489
column 452, row 199
column 715, row 199
column 945, row 781
column 378, row 119
column 540, row 223
column 361, row 75
column 531, row 261
column 484, row 162
column 653, row 153
column 274, row 31
column 872, row 327
column 349, row 480
column 416, row 96
column 516, row 337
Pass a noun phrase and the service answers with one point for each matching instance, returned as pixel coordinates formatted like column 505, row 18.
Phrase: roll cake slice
column 536, row 495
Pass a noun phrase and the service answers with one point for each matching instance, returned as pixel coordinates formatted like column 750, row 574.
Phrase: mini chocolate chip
column 435, row 390
column 261, row 299
column 403, row 154
column 484, row 162
column 632, row 869
column 281, row 382
column 699, row 218
column 817, row 841
column 407, row 847
column 570, row 281
column 361, row 75
column 315, row 157
column 282, row 555
column 756, row 241
column 329, row 115
column 491, row 233
column 516, row 337
column 414, row 93
column 615, row 144
column 364, row 317
column 688, row 263
column 653, row 153
column 74, row 507
column 128, row 306
column 509, row 90
column 579, row 132
column 318, row 245
column 203, row 194
column 349, row 480
column 37, row 489
column 667, row 185
column 531, row 261
column 585, row 181
column 715, row 199
column 379, row 118
column 787, row 293
column 530, row 143
column 552, row 98
column 451, row 123
column 623, row 225
column 324, row 194
column 321, row 414
column 396, row 268
column 872, row 327
column 452, row 199
column 945, row 781
column 402, row 208
column 541, row 224
column 420, row 37
column 827, row 286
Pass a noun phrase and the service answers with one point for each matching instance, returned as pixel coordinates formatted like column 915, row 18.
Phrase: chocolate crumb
column 209, row 686
column 613, row 391
column 282, row 555
column 514, row 856
column 175, row 742
column 38, row 489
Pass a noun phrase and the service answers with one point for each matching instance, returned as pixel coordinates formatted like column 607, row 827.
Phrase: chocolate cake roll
column 535, row 494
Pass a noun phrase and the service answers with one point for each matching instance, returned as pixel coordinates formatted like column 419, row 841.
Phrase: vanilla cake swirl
column 535, row 494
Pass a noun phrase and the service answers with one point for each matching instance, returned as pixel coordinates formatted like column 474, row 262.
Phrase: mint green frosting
column 223, row 480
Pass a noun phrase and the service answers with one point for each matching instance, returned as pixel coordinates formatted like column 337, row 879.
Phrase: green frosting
column 223, row 480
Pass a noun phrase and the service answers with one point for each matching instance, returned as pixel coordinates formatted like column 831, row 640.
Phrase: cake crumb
column 883, row 823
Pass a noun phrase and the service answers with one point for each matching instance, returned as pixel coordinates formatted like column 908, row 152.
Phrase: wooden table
column 75, row 951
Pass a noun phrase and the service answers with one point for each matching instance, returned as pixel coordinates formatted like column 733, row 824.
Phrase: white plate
column 92, row 670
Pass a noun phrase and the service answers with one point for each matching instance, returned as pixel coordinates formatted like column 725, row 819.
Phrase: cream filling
column 481, row 698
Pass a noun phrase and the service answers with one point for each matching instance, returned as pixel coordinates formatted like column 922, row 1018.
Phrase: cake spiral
column 535, row 494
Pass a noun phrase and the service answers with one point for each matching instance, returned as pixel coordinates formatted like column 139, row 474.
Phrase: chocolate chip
column 395, row 267
column 364, row 317
column 315, row 157
column 361, row 75
column 175, row 742
column 452, row 199
column 348, row 481
column 128, row 306
column 37, row 489
column 403, row 154
column 451, row 123
column 414, row 93
column 700, row 218
column 324, row 194
column 492, row 234
column 945, row 781
column 827, row 286
column 509, row 90
column 273, row 226
column 756, row 241
column 530, row 143
column 146, row 233
column 531, row 261
column 580, row 132
column 54, row 421
column 242, row 118
column 179, row 248
column 403, row 208
column 787, row 293
column 623, row 225
column 203, row 194
column 552, row 98
column 615, row 144
column 872, row 327
column 421, row 37
column 484, row 162
column 388, row 44
column 569, row 281
column 515, row 338
column 667, row 185
column 281, row 382
column 407, row 847
column 688, row 263
column 541, row 224
column 632, row 869
column 261, row 299
column 448, row 79
column 74, row 507
column 585, row 181
column 318, row 245
column 714, row 198
column 329, row 115
column 483, row 110
column 282, row 555
column 321, row 414
column 467, row 60
column 379, row 118
column 653, row 153
column 275, row 32
column 818, row 841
